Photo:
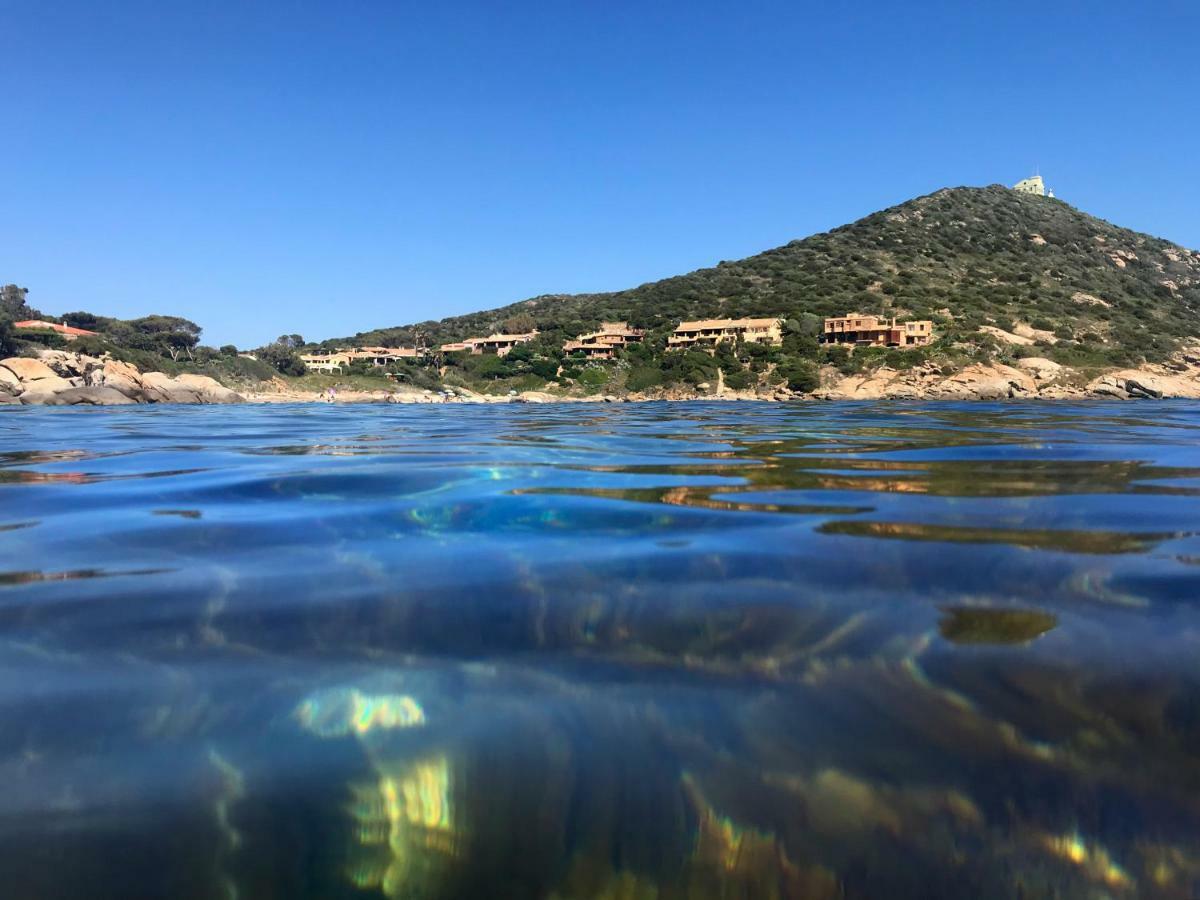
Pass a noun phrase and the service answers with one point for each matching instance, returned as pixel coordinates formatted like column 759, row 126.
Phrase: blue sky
column 323, row 168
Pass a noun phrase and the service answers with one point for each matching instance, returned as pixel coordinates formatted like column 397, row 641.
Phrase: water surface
column 637, row 651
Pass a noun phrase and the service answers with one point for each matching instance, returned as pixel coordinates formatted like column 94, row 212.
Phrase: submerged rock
column 971, row 625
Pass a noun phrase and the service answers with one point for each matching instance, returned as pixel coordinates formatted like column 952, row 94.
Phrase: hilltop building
column 65, row 331
column 1034, row 186
column 710, row 332
column 873, row 331
column 500, row 344
column 604, row 344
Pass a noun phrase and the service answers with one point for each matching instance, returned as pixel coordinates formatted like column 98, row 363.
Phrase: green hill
column 964, row 257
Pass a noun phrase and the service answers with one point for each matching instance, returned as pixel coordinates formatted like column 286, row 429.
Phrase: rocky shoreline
column 61, row 378
column 1031, row 378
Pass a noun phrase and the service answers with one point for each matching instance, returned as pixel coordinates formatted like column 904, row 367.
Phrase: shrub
column 739, row 381
column 544, row 368
column 800, row 375
column 643, row 378
column 593, row 377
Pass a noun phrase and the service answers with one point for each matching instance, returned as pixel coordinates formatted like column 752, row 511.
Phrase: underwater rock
column 976, row 625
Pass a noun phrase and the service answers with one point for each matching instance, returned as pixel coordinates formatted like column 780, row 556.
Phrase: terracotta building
column 708, row 332
column 604, row 343
column 873, row 331
column 382, row 356
column 331, row 363
column 500, row 344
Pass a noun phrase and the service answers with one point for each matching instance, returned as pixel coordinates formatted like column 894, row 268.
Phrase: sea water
column 602, row 650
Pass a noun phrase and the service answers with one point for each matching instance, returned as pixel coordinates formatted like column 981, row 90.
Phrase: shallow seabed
column 636, row 651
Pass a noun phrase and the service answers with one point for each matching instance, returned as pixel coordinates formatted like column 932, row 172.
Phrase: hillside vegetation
column 1082, row 292
column 169, row 344
column 963, row 257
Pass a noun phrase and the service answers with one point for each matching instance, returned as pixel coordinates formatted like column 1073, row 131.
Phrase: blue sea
column 727, row 650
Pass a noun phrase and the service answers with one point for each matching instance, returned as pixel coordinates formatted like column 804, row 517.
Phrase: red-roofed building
column 66, row 331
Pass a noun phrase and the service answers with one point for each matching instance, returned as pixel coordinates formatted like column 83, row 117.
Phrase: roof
column 528, row 336
column 582, row 345
column 387, row 351
column 616, row 330
column 704, row 324
column 53, row 326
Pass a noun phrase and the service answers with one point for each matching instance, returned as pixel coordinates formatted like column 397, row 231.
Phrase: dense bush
column 642, row 378
column 800, row 375
column 281, row 358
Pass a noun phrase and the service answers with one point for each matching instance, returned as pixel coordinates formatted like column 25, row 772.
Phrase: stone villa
column 604, row 343
column 710, row 332
column 873, row 331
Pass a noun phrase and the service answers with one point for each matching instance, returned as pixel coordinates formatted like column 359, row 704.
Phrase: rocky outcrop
column 120, row 376
column 977, row 382
column 1041, row 369
column 88, row 396
column 1022, row 335
column 1147, row 384
column 1032, row 377
column 61, row 378
column 980, row 382
column 31, row 381
column 208, row 389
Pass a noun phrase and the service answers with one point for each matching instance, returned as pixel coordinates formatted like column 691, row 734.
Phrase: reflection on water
column 653, row 651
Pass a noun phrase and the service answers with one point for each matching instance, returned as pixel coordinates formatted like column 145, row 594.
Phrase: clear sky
column 267, row 167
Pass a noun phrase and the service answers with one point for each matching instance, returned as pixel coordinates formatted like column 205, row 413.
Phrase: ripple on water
column 661, row 650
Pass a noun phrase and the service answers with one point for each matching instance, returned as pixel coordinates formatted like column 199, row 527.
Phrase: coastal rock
column 1108, row 386
column 68, row 364
column 1057, row 391
column 9, row 382
column 1136, row 389
column 535, row 397
column 209, row 389
column 120, row 376
column 1106, row 390
column 158, row 387
column 27, row 371
column 60, row 378
column 873, row 385
column 1040, row 367
column 31, row 380
column 88, row 396
column 980, row 382
column 1153, row 383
